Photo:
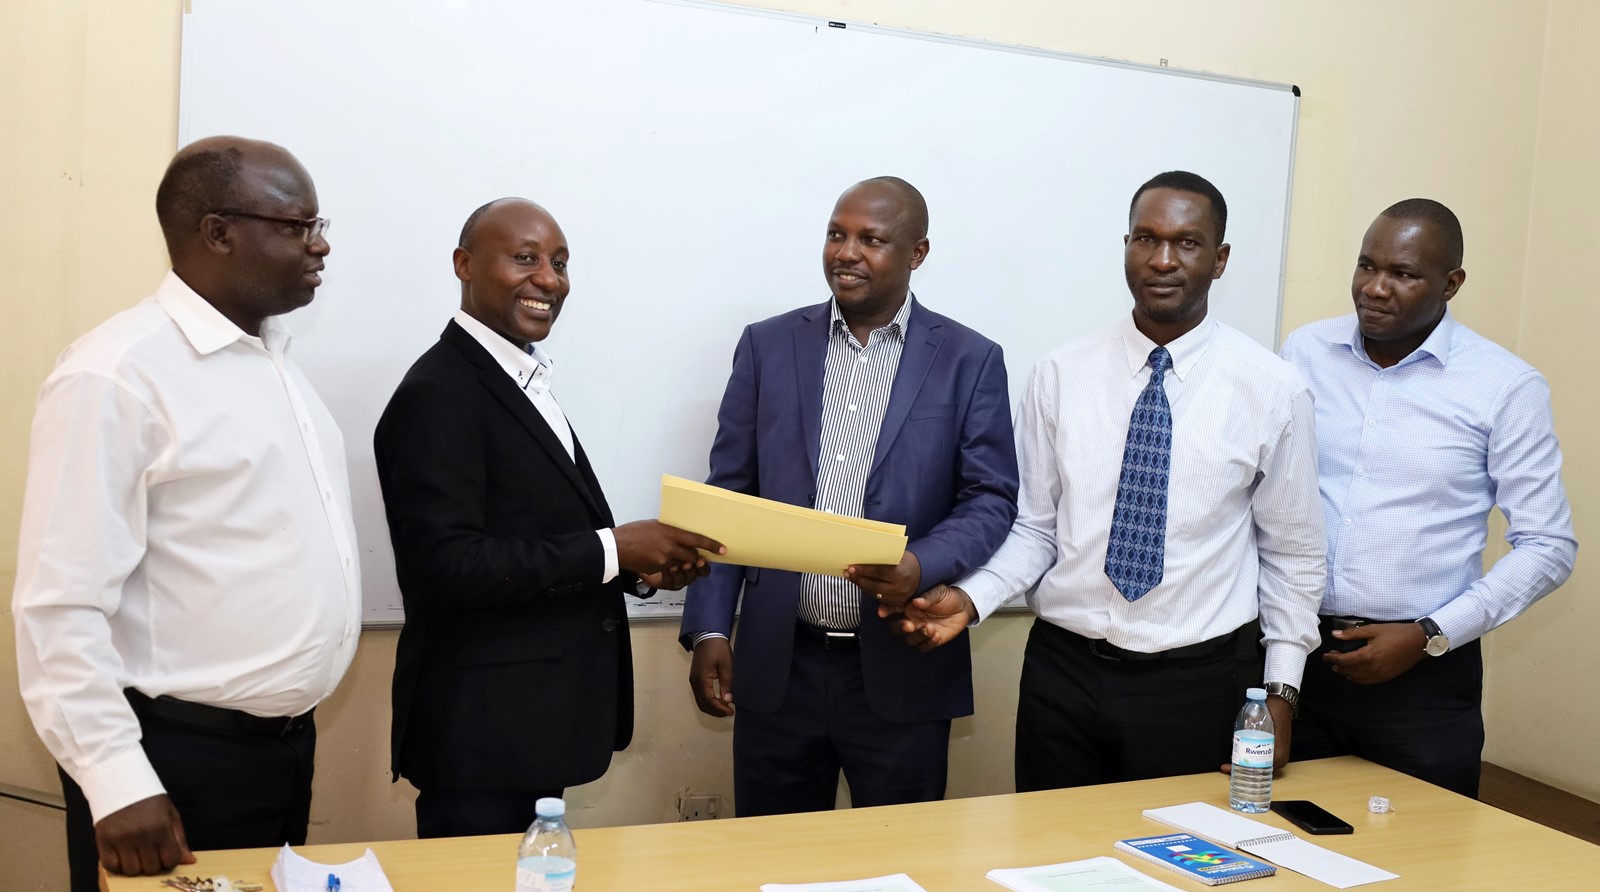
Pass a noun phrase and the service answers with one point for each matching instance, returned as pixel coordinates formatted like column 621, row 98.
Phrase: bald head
column 1446, row 228
column 911, row 209
column 219, row 173
column 469, row 229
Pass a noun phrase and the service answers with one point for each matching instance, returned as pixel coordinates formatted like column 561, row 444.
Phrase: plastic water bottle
column 1250, row 789
column 547, row 860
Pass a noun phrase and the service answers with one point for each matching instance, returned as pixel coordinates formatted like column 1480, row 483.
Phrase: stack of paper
column 292, row 872
column 1264, row 841
column 1091, row 874
column 763, row 533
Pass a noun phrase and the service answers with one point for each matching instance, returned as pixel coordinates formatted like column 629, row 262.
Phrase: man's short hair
column 468, row 228
column 916, row 205
column 1442, row 219
column 1184, row 181
column 196, row 184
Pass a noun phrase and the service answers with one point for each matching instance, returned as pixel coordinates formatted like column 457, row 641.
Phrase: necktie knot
column 1160, row 361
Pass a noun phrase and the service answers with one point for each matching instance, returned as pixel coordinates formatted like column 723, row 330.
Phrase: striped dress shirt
column 855, row 393
column 1411, row 459
column 1244, row 530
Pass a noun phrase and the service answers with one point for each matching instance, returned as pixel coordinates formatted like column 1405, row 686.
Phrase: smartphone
column 1310, row 817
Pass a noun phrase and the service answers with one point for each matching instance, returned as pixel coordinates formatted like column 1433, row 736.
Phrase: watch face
column 1437, row 646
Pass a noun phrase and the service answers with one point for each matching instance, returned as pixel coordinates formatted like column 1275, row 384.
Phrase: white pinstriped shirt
column 1244, row 529
column 1411, row 459
column 855, row 394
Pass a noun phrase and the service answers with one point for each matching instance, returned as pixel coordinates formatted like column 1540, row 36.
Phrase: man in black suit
column 514, row 677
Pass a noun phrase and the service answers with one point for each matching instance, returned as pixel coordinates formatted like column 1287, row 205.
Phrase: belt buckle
column 832, row 640
column 1346, row 623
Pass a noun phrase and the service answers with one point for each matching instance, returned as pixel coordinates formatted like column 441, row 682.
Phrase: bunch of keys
column 209, row 884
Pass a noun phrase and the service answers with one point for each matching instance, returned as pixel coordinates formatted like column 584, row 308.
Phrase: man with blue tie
column 869, row 405
column 1423, row 426
column 1168, row 498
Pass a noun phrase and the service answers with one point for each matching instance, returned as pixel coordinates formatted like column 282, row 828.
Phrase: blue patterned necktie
column 1136, row 553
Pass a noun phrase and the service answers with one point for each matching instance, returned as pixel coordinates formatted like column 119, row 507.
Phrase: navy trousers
column 1427, row 723
column 444, row 813
column 789, row 761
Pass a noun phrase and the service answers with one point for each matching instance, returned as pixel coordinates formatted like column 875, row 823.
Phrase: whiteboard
column 692, row 152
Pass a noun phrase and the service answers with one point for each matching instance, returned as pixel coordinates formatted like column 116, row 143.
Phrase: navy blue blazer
column 945, row 466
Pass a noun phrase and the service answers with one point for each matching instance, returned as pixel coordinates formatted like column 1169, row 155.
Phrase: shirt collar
column 204, row 326
column 531, row 369
column 896, row 326
column 1185, row 351
column 1437, row 344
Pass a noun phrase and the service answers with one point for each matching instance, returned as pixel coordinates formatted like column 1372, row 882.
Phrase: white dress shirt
column 1413, row 456
column 1244, row 529
column 186, row 531
column 532, row 369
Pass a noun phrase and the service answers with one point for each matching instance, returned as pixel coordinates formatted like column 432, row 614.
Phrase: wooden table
column 1434, row 839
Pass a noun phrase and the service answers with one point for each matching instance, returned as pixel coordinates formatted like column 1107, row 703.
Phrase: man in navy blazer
column 869, row 405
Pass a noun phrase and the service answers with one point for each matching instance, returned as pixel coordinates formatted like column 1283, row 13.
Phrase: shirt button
column 305, row 425
column 327, row 496
column 1348, row 521
column 839, row 457
column 347, row 562
column 1372, row 422
column 863, row 359
column 1361, row 472
column 852, row 408
column 609, row 625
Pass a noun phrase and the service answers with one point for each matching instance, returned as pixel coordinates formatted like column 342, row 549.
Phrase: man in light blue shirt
column 1423, row 426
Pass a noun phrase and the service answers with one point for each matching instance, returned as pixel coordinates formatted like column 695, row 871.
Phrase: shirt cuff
column 608, row 545
column 697, row 637
column 1455, row 620
column 987, row 592
column 1285, row 663
column 118, row 782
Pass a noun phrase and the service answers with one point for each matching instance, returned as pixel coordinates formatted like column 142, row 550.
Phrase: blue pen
column 333, row 883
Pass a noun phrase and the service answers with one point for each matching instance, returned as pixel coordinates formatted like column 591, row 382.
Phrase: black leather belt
column 829, row 639
column 1105, row 650
column 214, row 718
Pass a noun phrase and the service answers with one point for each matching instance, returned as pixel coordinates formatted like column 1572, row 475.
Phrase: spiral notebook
column 1196, row 858
column 1265, row 841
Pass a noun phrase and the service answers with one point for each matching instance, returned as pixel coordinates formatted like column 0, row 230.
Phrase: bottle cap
column 549, row 807
column 1255, row 694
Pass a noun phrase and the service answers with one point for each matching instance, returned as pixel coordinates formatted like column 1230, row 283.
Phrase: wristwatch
column 1437, row 644
column 1289, row 693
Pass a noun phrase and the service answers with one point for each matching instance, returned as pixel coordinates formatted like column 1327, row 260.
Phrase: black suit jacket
column 514, row 670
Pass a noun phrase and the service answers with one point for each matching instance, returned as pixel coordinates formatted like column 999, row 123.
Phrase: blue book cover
column 1196, row 858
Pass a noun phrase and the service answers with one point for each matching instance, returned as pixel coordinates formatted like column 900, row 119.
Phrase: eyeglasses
column 311, row 227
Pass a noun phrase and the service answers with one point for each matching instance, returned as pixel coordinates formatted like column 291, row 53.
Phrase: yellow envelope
column 762, row 533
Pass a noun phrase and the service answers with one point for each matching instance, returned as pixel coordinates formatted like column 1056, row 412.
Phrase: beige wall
column 1480, row 103
column 1541, row 700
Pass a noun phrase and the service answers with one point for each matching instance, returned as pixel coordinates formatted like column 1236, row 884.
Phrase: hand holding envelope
column 773, row 535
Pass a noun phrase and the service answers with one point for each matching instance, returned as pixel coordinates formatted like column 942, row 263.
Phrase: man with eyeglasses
column 187, row 583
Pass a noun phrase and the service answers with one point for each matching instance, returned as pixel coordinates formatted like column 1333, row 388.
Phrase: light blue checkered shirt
column 1410, row 460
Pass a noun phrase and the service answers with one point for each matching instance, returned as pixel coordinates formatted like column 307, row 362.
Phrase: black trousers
column 1088, row 719
column 1427, row 723
column 446, row 813
column 789, row 761
column 232, row 791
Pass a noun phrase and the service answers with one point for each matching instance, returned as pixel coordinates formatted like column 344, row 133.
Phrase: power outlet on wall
column 698, row 806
